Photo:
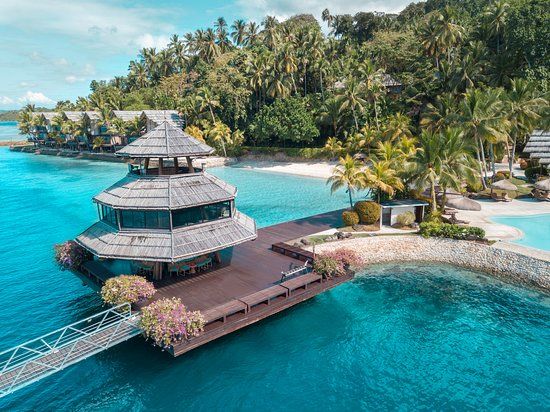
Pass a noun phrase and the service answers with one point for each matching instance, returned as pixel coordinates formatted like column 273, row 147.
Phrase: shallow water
column 408, row 337
column 535, row 228
column 9, row 132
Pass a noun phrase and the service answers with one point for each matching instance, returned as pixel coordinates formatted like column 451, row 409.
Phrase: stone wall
column 505, row 264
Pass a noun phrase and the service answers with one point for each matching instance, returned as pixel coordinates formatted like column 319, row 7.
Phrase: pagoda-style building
column 168, row 216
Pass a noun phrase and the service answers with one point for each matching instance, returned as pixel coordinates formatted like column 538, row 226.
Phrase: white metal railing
column 47, row 354
column 295, row 271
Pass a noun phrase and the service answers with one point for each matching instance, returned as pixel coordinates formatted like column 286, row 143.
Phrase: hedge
column 447, row 230
column 350, row 218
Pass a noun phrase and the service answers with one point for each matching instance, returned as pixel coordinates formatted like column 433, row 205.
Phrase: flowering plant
column 69, row 255
column 336, row 262
column 167, row 321
column 126, row 289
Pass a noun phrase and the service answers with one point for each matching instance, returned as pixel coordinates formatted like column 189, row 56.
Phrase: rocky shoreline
column 508, row 265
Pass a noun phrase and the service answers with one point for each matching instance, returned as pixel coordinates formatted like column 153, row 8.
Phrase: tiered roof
column 538, row 147
column 166, row 140
column 105, row 241
column 127, row 115
column 166, row 192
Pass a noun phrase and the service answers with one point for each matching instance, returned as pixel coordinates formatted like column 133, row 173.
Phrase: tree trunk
column 513, row 155
column 483, row 183
column 434, row 199
column 355, row 120
column 350, row 199
column 492, row 155
column 321, row 82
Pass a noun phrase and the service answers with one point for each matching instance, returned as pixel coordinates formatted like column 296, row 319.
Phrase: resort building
column 393, row 208
column 167, row 216
column 93, row 123
column 538, row 147
column 153, row 118
column 126, row 115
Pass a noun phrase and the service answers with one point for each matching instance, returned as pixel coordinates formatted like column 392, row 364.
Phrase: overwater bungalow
column 153, row 118
column 167, row 217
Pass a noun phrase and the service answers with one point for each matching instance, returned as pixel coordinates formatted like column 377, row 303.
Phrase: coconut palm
column 441, row 114
column 220, row 133
column 333, row 147
column 495, row 19
column 206, row 100
column 252, row 34
column 523, row 106
column 349, row 174
column 381, row 177
column 331, row 113
column 239, row 32
column 352, row 98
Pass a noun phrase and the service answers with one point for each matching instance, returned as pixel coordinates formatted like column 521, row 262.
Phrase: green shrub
column 368, row 211
column 447, row 230
column 302, row 153
column 406, row 219
column 501, row 175
column 350, row 218
column 532, row 172
column 434, row 216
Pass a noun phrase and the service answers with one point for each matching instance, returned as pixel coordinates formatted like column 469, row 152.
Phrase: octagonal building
column 167, row 216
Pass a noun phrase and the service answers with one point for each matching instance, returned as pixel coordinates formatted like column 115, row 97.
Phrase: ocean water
column 408, row 337
column 9, row 132
column 535, row 228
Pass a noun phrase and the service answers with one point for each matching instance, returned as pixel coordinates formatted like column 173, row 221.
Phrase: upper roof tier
column 166, row 192
column 165, row 141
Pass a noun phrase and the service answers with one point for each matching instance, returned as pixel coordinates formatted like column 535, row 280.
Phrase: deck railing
column 47, row 354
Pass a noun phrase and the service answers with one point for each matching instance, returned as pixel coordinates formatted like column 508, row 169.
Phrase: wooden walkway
column 249, row 274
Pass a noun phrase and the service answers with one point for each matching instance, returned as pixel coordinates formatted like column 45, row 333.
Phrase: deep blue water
column 404, row 337
column 536, row 229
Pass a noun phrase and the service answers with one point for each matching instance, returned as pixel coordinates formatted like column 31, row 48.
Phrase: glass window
column 157, row 220
column 194, row 215
column 137, row 219
column 217, row 210
column 108, row 214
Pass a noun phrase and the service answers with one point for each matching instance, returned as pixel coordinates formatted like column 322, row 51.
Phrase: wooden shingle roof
column 73, row 116
column 538, row 146
column 166, row 192
column 105, row 241
column 46, row 115
column 164, row 141
column 160, row 116
column 127, row 115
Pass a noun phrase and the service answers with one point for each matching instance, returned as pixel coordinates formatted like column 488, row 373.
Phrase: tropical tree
column 381, row 177
column 351, row 98
column 348, row 174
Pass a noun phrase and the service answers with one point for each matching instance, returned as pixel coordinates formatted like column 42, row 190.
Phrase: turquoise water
column 9, row 132
column 400, row 336
column 535, row 228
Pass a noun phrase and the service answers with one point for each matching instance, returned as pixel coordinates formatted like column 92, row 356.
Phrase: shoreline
column 505, row 264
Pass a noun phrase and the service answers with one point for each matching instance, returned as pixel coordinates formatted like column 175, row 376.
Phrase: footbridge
column 27, row 363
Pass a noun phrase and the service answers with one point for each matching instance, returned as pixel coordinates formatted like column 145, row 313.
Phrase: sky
column 50, row 50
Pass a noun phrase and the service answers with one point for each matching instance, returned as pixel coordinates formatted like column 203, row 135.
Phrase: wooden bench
column 221, row 312
column 264, row 296
column 301, row 282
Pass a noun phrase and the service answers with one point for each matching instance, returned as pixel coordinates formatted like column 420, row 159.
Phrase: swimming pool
column 535, row 228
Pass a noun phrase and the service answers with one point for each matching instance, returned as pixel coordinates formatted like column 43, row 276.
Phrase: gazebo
column 166, row 216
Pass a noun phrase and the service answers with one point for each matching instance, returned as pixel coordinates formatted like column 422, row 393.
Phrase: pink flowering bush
column 336, row 262
column 69, row 255
column 167, row 321
column 127, row 289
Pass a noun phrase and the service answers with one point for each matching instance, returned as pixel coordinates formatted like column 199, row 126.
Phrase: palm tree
column 495, row 17
column 347, row 174
column 252, row 34
column 239, row 32
column 398, row 126
column 207, row 100
column 270, row 34
column 441, row 114
column 382, row 178
column 482, row 119
column 333, row 147
column 523, row 106
column 351, row 98
column 331, row 113
column 371, row 79
column 220, row 133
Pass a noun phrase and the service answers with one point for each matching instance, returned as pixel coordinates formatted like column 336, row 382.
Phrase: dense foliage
column 167, row 321
column 350, row 218
column 127, row 289
column 451, row 231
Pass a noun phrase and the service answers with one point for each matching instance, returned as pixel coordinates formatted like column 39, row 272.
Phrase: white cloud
column 148, row 40
column 25, row 85
column 92, row 23
column 35, row 97
column 282, row 9
column 5, row 100
column 74, row 79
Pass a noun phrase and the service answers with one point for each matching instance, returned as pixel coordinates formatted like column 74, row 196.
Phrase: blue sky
column 51, row 49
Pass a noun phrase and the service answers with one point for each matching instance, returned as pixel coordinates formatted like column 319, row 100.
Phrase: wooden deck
column 238, row 294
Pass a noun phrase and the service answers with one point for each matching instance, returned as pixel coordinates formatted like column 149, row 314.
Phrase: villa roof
column 403, row 203
column 127, row 115
column 166, row 192
column 46, row 115
column 160, row 116
column 105, row 241
column 164, row 141
column 538, row 146
column 92, row 115
column 73, row 116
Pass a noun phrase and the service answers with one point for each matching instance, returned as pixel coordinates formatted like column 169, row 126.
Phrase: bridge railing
column 52, row 342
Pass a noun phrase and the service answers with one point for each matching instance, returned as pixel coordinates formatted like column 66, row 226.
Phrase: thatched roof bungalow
column 126, row 115
column 153, row 118
column 164, row 213
column 538, row 147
